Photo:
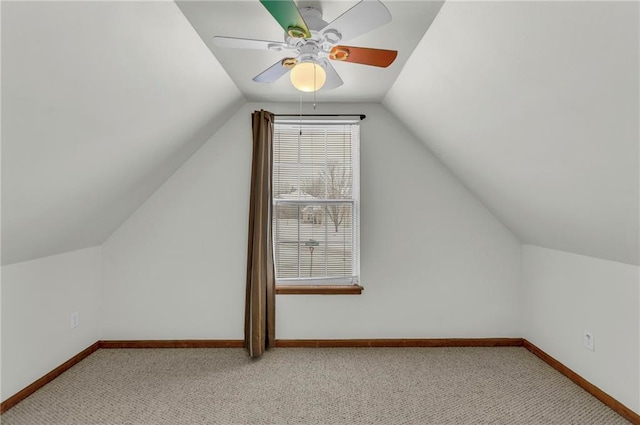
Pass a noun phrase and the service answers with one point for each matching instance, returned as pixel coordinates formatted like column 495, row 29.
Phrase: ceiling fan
column 311, row 43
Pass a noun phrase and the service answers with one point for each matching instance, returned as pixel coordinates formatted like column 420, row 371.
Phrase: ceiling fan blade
column 247, row 43
column 363, row 55
column 272, row 74
column 333, row 79
column 288, row 16
column 361, row 18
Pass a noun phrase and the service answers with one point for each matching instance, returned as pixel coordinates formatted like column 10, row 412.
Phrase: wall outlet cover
column 588, row 340
column 75, row 320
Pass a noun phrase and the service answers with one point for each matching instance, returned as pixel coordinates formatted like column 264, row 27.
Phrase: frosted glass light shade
column 303, row 76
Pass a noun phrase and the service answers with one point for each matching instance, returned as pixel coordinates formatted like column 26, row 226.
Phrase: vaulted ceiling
column 101, row 102
column 533, row 105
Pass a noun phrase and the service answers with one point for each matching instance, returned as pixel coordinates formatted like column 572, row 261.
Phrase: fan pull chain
column 300, row 130
column 314, row 87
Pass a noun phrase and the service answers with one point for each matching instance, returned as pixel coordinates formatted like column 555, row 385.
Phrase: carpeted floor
column 312, row 386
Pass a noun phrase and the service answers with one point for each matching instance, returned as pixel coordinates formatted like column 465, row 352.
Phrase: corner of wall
column 39, row 298
column 192, row 146
column 566, row 294
column 453, row 176
column 101, row 299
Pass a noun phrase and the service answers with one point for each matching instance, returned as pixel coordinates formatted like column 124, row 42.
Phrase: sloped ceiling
column 101, row 102
column 534, row 106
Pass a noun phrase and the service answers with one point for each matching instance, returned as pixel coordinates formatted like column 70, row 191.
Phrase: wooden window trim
column 319, row 289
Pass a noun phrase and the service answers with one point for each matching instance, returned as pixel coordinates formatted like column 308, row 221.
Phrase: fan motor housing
column 320, row 44
column 313, row 18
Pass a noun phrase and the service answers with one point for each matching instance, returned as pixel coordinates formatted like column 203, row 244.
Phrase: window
column 316, row 202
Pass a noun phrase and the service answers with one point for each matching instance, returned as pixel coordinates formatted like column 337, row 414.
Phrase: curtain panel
column 260, row 299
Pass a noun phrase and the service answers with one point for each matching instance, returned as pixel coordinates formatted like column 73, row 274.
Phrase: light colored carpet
column 312, row 386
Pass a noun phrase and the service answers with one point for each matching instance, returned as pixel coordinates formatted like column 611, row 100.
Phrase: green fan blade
column 288, row 16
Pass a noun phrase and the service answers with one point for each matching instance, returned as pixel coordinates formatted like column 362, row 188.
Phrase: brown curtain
column 259, row 323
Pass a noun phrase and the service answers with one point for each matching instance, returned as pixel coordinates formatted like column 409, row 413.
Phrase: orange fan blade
column 375, row 57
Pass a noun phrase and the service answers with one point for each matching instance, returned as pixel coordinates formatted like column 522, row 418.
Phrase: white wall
column 38, row 298
column 438, row 266
column 175, row 269
column 434, row 261
column 566, row 294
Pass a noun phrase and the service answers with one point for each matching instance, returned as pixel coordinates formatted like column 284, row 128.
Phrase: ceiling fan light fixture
column 312, row 44
column 308, row 76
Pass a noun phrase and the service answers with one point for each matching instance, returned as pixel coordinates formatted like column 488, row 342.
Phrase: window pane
column 313, row 240
column 315, row 236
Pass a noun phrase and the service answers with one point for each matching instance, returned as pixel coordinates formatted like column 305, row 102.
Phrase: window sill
column 319, row 289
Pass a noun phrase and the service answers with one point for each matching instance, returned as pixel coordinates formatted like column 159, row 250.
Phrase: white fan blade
column 333, row 79
column 361, row 18
column 271, row 74
column 247, row 43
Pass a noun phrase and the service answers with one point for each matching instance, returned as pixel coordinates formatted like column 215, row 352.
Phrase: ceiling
column 101, row 102
column 249, row 19
column 533, row 106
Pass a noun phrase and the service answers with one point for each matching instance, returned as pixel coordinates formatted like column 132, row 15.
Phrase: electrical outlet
column 588, row 340
column 75, row 320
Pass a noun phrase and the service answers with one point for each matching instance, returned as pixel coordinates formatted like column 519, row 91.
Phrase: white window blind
column 316, row 202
